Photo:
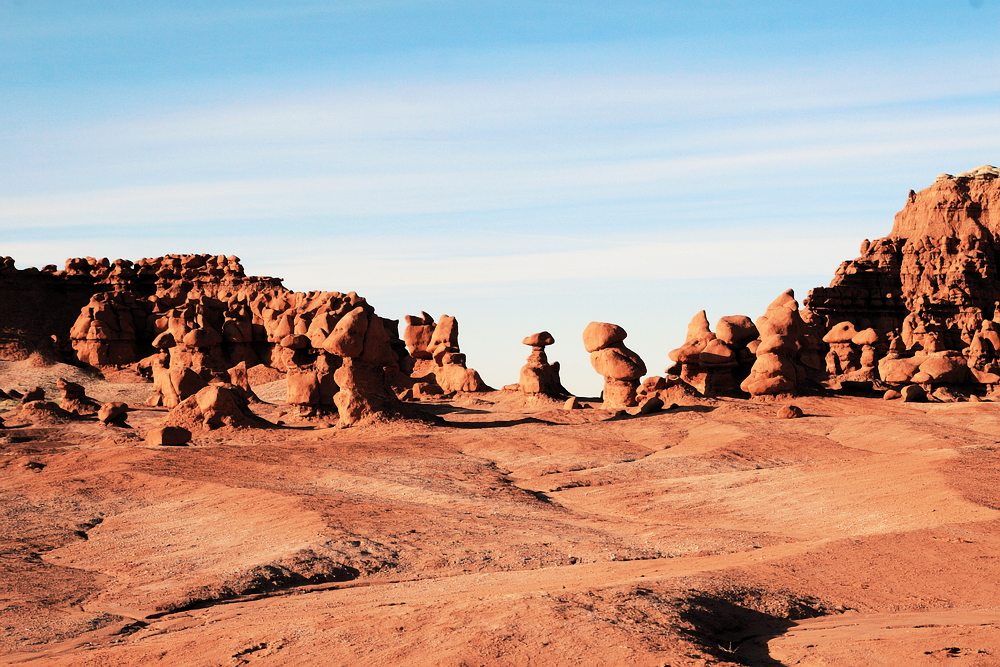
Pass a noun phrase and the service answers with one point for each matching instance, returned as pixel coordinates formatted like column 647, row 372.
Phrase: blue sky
column 521, row 165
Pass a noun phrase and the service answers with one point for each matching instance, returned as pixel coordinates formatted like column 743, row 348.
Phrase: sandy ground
column 511, row 533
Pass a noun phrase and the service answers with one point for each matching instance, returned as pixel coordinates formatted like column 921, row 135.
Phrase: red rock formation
column 715, row 364
column 188, row 319
column 922, row 298
column 782, row 339
column 620, row 366
column 538, row 376
column 437, row 357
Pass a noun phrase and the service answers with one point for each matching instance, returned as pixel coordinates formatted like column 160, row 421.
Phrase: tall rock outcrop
column 621, row 367
column 922, row 301
column 934, row 277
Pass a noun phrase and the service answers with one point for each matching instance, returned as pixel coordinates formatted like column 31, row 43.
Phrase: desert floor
column 512, row 532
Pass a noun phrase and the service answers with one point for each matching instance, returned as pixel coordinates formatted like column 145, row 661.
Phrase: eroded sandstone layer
column 189, row 319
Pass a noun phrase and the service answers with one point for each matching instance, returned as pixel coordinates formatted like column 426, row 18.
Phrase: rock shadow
column 736, row 633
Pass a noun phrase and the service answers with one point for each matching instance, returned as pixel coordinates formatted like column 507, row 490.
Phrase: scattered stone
column 913, row 393
column 75, row 399
column 113, row 414
column 168, row 436
column 571, row 403
column 35, row 394
column 790, row 412
column 947, row 395
column 40, row 412
column 891, row 395
column 214, row 406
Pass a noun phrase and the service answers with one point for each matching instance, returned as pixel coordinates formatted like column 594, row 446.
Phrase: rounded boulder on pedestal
column 599, row 335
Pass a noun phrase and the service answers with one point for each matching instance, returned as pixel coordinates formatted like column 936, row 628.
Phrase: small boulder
column 571, row 403
column 113, row 413
column 790, row 412
column 168, row 436
column 891, row 395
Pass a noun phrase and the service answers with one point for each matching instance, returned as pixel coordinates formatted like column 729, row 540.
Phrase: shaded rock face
column 934, row 277
column 186, row 320
column 620, row 366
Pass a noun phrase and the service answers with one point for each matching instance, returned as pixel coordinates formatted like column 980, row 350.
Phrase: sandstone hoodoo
column 715, row 363
column 784, row 350
column 186, row 320
column 620, row 366
column 538, row 376
column 438, row 365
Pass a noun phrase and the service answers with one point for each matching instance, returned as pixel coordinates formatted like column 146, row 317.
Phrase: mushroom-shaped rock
column 865, row 337
column 538, row 376
column 540, row 339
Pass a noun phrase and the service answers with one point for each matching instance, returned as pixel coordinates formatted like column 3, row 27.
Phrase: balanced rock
column 438, row 359
column 620, row 366
column 538, row 376
column 715, row 364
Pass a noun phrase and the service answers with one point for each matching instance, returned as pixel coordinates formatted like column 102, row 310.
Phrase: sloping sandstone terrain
column 815, row 487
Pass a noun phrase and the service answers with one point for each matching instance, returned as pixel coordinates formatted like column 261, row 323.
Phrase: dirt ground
column 511, row 532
